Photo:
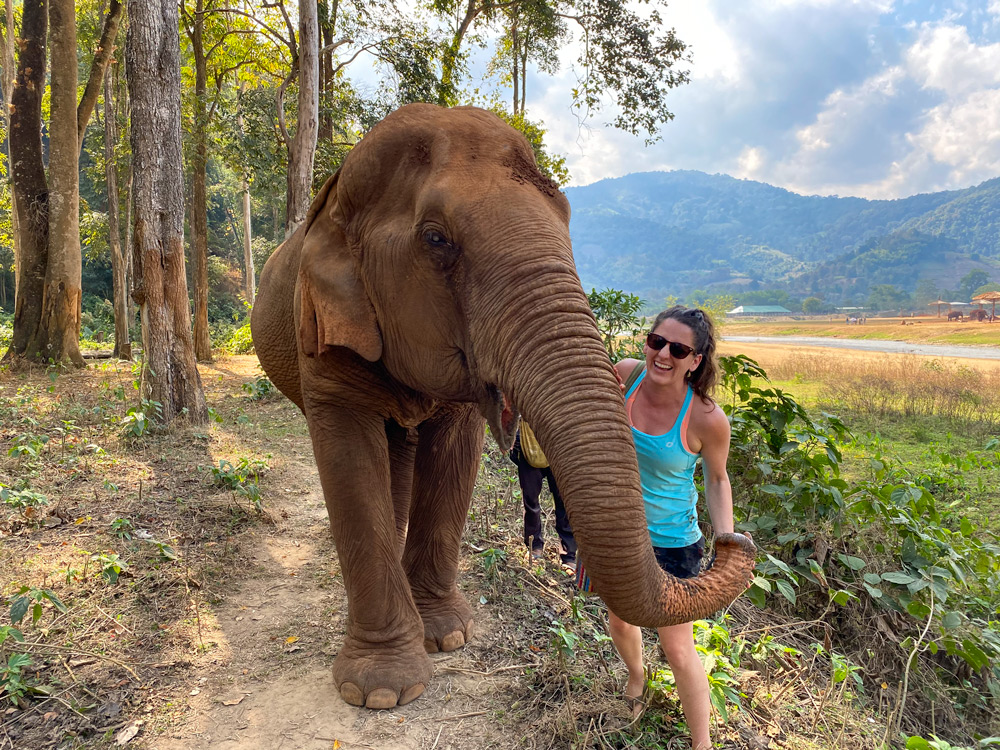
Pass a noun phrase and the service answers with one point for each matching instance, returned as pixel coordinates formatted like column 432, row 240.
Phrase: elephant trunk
column 552, row 365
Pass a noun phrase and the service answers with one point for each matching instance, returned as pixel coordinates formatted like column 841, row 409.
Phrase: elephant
column 431, row 292
column 980, row 315
column 955, row 315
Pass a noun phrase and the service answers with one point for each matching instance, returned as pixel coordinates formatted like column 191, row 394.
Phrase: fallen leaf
column 336, row 744
column 195, row 691
column 233, row 701
column 127, row 734
column 49, row 715
column 291, row 639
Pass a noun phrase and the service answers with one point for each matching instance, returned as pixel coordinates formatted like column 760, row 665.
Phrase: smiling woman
column 674, row 424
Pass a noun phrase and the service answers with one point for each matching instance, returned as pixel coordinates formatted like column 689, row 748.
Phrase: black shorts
column 681, row 562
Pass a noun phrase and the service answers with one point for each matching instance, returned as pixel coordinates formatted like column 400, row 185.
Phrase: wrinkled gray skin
column 433, row 285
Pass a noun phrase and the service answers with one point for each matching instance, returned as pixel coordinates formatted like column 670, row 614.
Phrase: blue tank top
column 666, row 472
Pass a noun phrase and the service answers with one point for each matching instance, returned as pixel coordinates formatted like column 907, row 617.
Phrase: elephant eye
column 435, row 239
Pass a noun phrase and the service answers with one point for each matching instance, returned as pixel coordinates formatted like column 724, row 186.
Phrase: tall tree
column 199, row 200
column 47, row 304
column 630, row 58
column 31, row 191
column 302, row 147
column 58, row 336
column 119, row 263
column 170, row 375
column 102, row 59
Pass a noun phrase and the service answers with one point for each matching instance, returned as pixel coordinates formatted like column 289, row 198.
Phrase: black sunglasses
column 678, row 351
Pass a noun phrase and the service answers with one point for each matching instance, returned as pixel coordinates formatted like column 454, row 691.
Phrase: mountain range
column 659, row 234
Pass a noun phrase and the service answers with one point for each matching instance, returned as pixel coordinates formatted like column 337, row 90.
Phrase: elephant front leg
column 382, row 662
column 449, row 449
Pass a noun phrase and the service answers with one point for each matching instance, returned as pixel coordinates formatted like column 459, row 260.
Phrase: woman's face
column 662, row 367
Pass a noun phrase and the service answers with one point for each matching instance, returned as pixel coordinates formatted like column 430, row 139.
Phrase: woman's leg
column 628, row 640
column 692, row 684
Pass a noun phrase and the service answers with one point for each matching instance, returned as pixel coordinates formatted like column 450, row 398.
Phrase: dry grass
column 961, row 390
column 142, row 647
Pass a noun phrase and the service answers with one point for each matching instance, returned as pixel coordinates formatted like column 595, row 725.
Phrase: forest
column 233, row 113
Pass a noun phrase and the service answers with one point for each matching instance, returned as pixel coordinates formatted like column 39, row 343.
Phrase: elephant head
column 435, row 268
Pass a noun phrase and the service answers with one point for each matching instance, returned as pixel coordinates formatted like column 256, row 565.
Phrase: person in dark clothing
column 530, row 479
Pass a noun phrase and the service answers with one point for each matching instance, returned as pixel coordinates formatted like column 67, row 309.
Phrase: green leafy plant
column 24, row 501
column 28, row 445
column 563, row 641
column 259, row 388
column 617, row 320
column 12, row 678
column 138, row 421
column 122, row 528
column 28, row 597
column 109, row 564
column 242, row 478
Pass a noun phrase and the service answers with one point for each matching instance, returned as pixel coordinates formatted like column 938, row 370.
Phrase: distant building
column 759, row 310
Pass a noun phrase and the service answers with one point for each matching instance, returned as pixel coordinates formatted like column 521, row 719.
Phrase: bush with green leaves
column 259, row 388
column 242, row 478
column 139, row 421
column 892, row 542
column 617, row 320
column 24, row 501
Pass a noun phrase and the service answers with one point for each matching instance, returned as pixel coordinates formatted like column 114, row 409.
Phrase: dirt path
column 268, row 684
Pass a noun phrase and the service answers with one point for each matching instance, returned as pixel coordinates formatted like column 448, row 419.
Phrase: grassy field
column 916, row 408
column 927, row 330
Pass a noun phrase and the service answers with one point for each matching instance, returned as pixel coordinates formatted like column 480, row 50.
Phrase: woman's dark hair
column 706, row 375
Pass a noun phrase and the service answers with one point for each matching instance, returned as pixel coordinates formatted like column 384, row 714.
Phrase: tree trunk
column 326, row 72
column 119, row 269
column 302, row 148
column 199, row 199
column 170, row 374
column 31, row 192
column 102, row 58
column 249, row 273
column 58, row 336
column 7, row 71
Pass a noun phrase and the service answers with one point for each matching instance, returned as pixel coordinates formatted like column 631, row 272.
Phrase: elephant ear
column 334, row 308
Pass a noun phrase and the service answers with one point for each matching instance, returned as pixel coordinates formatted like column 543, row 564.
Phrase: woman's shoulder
column 708, row 415
column 625, row 366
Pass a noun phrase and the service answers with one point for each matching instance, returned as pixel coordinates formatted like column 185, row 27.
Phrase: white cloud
column 750, row 163
column 965, row 136
column 945, row 58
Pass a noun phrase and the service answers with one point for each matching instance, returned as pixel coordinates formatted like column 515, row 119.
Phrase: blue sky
column 872, row 98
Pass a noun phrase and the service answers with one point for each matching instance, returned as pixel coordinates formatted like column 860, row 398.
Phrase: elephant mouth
column 501, row 416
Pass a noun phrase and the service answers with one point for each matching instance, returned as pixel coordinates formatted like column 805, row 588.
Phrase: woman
column 674, row 422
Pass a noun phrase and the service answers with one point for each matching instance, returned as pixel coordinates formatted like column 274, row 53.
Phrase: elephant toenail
column 453, row 640
column 381, row 698
column 411, row 693
column 469, row 630
column 352, row 694
column 430, row 645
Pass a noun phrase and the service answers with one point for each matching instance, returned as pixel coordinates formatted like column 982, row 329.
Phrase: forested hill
column 668, row 233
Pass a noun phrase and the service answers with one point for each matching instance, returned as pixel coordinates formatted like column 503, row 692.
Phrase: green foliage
column 563, row 641
column 28, row 597
column 887, row 297
column 493, row 560
column 238, row 341
column 24, row 501
column 139, row 421
column 813, row 306
column 109, row 565
column 259, row 388
column 885, row 541
column 12, row 678
column 242, row 478
column 122, row 528
column 616, row 312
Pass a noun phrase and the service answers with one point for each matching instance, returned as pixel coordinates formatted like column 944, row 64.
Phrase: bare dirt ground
column 196, row 616
column 926, row 329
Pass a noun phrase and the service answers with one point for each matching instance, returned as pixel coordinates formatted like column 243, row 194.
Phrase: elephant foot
column 378, row 675
column 447, row 621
